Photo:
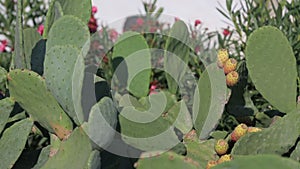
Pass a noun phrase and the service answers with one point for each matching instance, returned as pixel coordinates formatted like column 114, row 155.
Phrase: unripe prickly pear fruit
column 230, row 65
column 232, row 78
column 222, row 57
column 253, row 129
column 211, row 164
column 224, row 158
column 221, row 147
column 239, row 131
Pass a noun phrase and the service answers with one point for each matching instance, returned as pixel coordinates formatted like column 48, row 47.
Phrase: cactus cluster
column 48, row 92
column 45, row 85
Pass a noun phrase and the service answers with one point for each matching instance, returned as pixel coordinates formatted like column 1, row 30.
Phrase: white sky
column 113, row 12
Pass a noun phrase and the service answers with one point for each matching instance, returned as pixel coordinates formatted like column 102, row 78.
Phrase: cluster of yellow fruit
column 229, row 66
column 222, row 146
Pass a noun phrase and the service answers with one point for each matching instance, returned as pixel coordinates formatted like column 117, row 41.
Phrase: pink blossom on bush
column 3, row 45
column 41, row 29
column 177, row 19
column 139, row 21
column 113, row 34
column 197, row 22
column 94, row 9
column 226, row 32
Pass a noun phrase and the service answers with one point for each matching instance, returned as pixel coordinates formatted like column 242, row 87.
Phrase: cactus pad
column 29, row 90
column 13, row 141
column 166, row 160
column 272, row 67
column 66, row 86
column 69, row 30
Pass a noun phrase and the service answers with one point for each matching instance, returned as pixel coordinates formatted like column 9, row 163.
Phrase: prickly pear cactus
column 277, row 139
column 11, row 152
column 272, row 67
column 209, row 100
column 25, row 84
column 259, row 161
column 166, row 160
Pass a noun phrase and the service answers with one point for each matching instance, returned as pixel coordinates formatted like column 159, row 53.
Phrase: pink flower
column 3, row 45
column 94, row 9
column 139, row 21
column 4, row 42
column 177, row 19
column 2, row 48
column 113, row 34
column 226, row 32
column 41, row 29
column 197, row 22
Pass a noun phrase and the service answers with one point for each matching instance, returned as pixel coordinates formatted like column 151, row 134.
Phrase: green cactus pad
column 94, row 161
column 18, row 60
column 177, row 55
column 180, row 116
column 43, row 157
column 157, row 134
column 29, row 90
column 259, row 161
column 272, row 67
column 7, row 106
column 69, row 30
column 201, row 152
column 79, row 8
column 31, row 37
column 3, row 79
column 13, row 141
column 168, row 160
column 73, row 153
column 296, row 153
column 209, row 100
column 277, row 139
column 133, row 48
column 66, row 85
column 55, row 11
column 102, row 122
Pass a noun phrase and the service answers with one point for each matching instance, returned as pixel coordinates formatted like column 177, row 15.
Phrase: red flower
column 41, row 29
column 93, row 24
column 94, row 9
column 139, row 21
column 197, row 22
column 226, row 32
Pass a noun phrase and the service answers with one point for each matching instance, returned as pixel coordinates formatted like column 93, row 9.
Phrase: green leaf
column 180, row 116
column 209, row 100
column 19, row 55
column 296, row 153
column 201, row 152
column 277, row 139
column 102, row 122
column 7, row 106
column 55, row 11
column 176, row 55
column 11, row 146
column 272, row 67
column 29, row 90
column 73, row 153
column 69, row 30
column 259, row 161
column 94, row 161
column 79, row 8
column 132, row 48
column 31, row 37
column 66, row 86
column 165, row 161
